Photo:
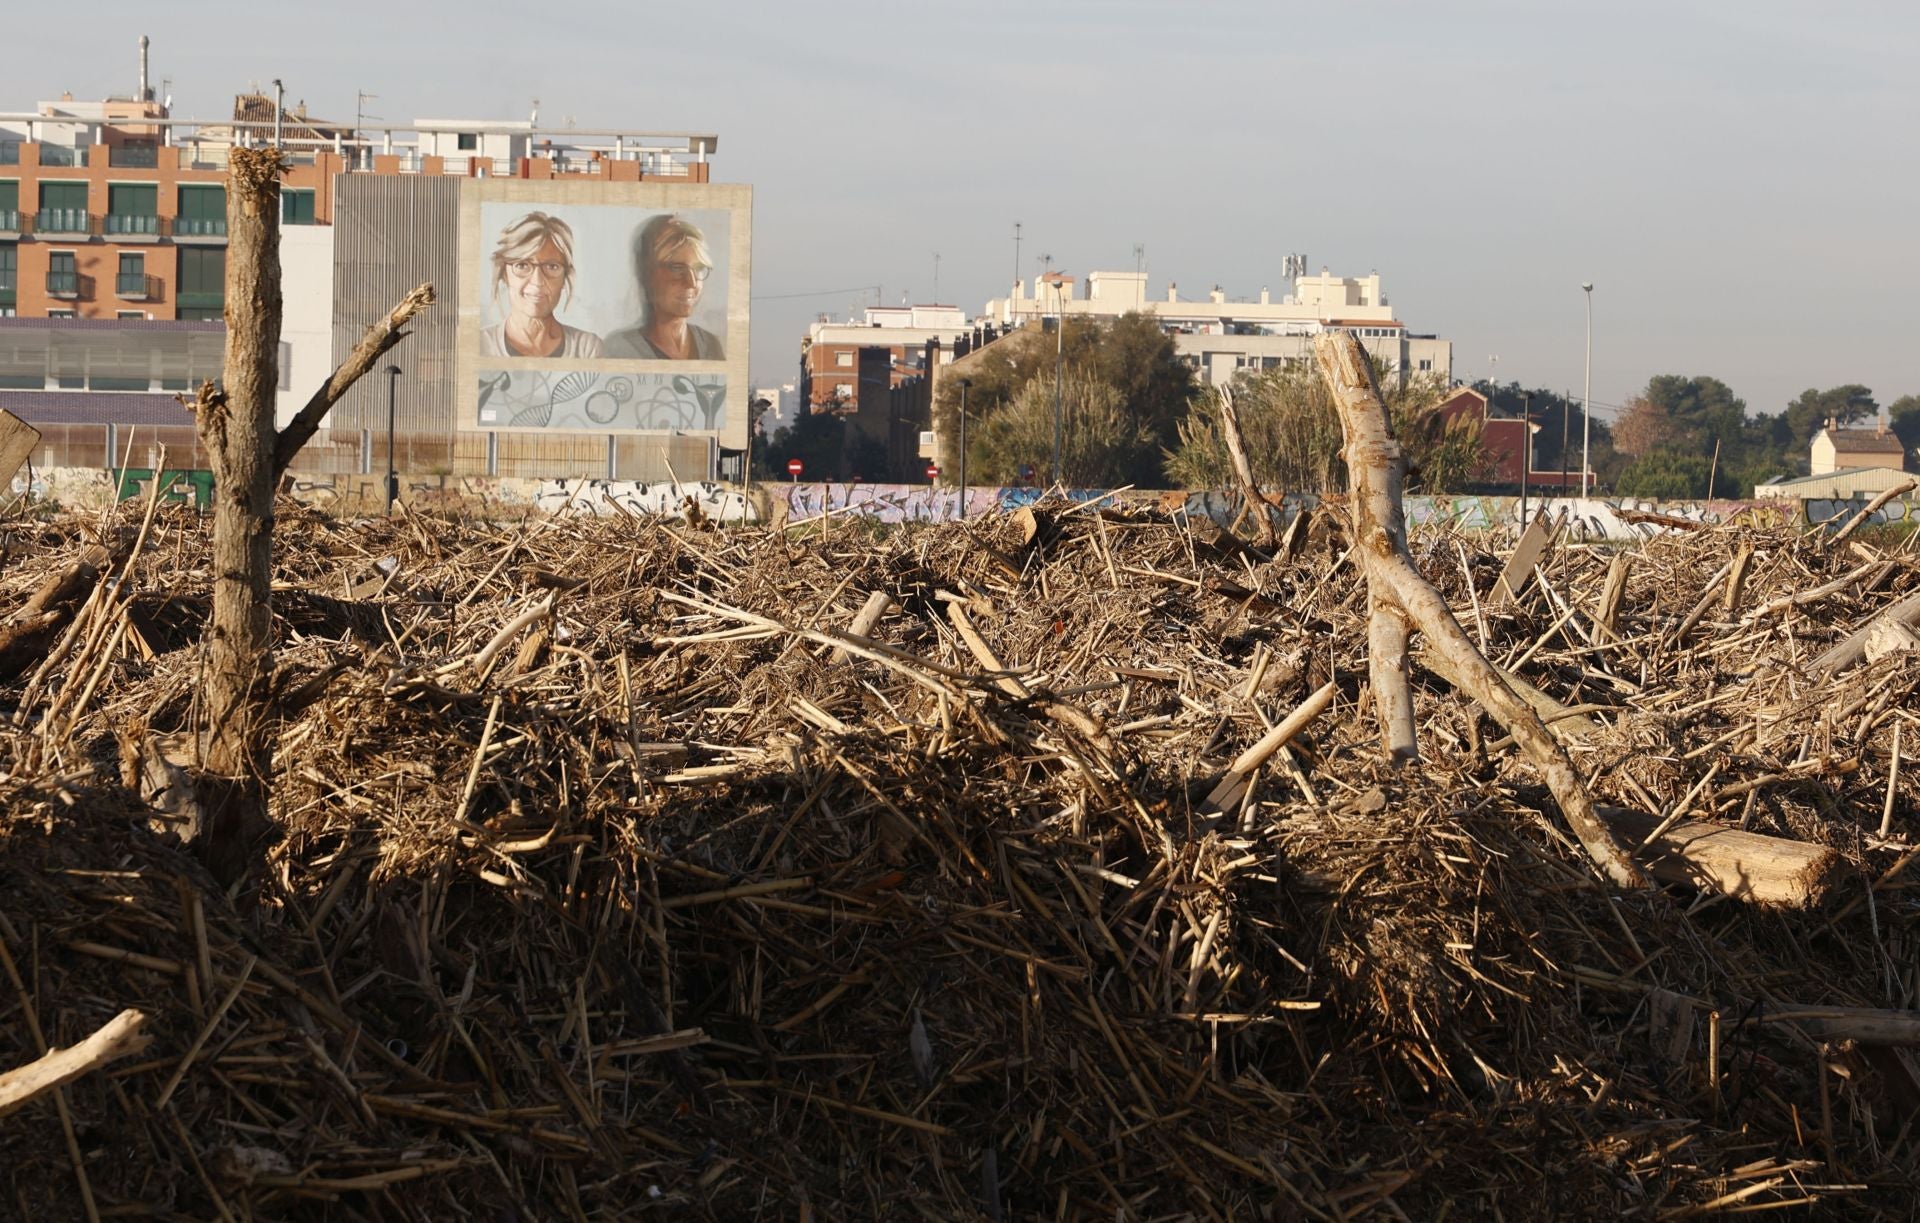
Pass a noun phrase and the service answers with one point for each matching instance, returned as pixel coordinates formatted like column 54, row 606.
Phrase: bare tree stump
column 1399, row 600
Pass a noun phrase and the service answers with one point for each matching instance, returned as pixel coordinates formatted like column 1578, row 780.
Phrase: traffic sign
column 794, row 467
column 933, row 471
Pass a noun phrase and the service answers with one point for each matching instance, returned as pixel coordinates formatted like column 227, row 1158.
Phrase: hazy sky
column 1738, row 179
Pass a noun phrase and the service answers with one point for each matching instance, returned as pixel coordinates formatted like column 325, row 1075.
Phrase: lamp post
column 1586, row 399
column 964, row 384
column 1526, row 449
column 393, row 472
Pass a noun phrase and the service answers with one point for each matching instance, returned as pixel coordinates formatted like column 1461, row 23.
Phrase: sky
column 1737, row 180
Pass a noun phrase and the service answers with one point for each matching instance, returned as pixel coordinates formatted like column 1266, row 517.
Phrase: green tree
column 1102, row 443
column 1292, row 435
column 1664, row 475
column 828, row 449
column 1809, row 413
column 1131, row 355
column 1697, row 409
column 1903, row 415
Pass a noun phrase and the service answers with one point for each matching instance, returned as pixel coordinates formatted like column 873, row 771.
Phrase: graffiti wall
column 1612, row 519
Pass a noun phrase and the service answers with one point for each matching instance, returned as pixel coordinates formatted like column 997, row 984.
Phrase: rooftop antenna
column 936, row 278
column 533, row 120
column 1140, row 275
column 144, row 94
column 1016, row 257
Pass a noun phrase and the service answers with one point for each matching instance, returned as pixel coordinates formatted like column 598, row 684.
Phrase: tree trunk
column 236, row 426
column 1399, row 599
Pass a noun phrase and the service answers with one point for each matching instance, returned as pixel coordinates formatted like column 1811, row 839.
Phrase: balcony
column 62, row 221
column 130, row 225
column 61, row 155
column 9, row 152
column 63, row 284
column 134, row 156
column 200, row 227
column 136, row 286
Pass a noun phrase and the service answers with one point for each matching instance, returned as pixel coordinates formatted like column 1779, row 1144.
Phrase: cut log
column 1844, row 654
column 1742, row 865
column 17, row 440
column 867, row 619
column 1399, row 597
column 117, row 1038
column 1613, row 593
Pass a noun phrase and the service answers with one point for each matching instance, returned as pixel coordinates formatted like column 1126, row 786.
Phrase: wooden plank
column 1533, row 544
column 18, row 439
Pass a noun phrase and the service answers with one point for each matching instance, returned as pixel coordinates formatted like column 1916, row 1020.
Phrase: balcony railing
column 200, row 227
column 130, row 223
column 62, row 155
column 8, row 278
column 63, row 284
column 9, row 220
column 9, row 152
column 134, row 156
column 136, row 286
column 61, row 221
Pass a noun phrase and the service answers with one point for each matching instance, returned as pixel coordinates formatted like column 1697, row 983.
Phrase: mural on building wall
column 605, row 307
column 601, row 403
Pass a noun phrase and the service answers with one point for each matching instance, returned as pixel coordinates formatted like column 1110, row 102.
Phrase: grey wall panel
column 392, row 233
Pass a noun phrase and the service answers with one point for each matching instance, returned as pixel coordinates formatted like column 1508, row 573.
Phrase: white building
column 1218, row 336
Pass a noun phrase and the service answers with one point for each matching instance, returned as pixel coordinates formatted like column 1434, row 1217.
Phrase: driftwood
column 1243, row 470
column 1399, row 599
column 1872, row 507
column 119, row 1037
column 1853, row 647
column 1742, row 865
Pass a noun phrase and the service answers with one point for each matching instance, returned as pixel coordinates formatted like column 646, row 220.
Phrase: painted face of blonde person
column 536, row 283
column 674, row 284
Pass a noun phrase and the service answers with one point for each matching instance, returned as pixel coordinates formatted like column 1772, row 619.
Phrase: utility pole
column 393, row 471
column 279, row 110
column 1586, row 400
column 1016, row 272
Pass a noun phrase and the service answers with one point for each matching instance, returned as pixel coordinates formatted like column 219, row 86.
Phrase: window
column 203, row 280
column 63, row 208
column 203, row 212
column 199, row 314
column 63, row 277
column 9, row 205
column 59, row 314
column 130, row 314
column 468, row 142
column 1426, row 363
column 296, row 208
column 843, row 359
column 133, row 208
column 9, row 270
column 131, row 280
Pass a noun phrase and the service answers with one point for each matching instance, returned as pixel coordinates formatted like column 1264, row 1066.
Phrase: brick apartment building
column 113, row 271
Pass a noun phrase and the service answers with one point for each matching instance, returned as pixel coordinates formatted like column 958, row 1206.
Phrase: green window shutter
column 133, row 265
column 203, row 277
column 64, row 195
column 9, row 197
column 133, row 199
column 296, row 207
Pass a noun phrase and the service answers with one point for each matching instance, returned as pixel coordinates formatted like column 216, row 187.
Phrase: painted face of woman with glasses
column 533, row 270
column 671, row 266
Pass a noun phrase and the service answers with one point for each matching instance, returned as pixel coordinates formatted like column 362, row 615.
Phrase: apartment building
column 1219, row 336
column 113, row 271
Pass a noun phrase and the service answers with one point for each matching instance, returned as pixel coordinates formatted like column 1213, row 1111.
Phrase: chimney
column 143, row 94
column 1265, row 299
column 1173, row 291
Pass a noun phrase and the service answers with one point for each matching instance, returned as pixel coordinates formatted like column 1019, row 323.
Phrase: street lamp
column 1586, row 398
column 393, row 473
column 964, row 384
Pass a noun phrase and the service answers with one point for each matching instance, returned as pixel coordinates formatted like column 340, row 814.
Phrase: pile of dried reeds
column 953, row 872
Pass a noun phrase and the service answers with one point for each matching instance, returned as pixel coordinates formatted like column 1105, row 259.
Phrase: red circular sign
column 933, row 472
column 793, row 467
